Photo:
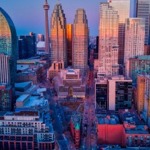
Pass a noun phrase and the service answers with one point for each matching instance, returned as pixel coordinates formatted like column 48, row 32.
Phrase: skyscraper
column 8, row 44
column 27, row 46
column 47, row 41
column 80, row 40
column 108, row 40
column 8, row 58
column 58, row 35
column 69, row 43
column 134, row 40
column 123, row 9
column 143, row 11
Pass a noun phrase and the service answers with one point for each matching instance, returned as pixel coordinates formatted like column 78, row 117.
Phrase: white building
column 113, row 93
column 134, row 40
column 108, row 40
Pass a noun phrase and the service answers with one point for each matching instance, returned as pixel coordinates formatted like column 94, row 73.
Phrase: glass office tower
column 8, row 43
column 143, row 11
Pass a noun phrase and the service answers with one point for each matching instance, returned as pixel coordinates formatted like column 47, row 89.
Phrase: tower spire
column 47, row 43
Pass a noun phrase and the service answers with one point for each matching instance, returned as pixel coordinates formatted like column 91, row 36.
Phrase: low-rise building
column 55, row 69
column 26, row 130
column 75, row 126
column 34, row 70
column 124, row 128
column 69, row 84
column 6, row 98
column 136, row 131
column 29, row 126
column 109, row 129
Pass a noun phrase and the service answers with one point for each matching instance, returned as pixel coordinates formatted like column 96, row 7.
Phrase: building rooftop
column 23, row 97
column 130, row 116
column 142, row 57
column 22, row 84
column 132, row 122
column 138, row 129
column 36, row 101
column 41, row 44
column 108, row 118
column 76, row 120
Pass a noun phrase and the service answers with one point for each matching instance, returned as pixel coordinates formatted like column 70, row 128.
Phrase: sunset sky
column 28, row 15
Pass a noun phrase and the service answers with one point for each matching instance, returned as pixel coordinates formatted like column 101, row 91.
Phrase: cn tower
column 47, row 41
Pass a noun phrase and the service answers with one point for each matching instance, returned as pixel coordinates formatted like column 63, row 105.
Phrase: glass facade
column 58, row 35
column 101, row 96
column 80, row 40
column 69, row 43
column 143, row 11
column 8, row 41
column 123, row 95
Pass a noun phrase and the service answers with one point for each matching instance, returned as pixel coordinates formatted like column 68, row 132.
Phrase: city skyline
column 78, row 79
column 33, row 19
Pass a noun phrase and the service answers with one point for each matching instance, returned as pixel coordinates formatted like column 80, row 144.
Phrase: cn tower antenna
column 47, row 41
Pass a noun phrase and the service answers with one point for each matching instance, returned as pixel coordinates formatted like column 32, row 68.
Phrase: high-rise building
column 96, row 48
column 143, row 97
column 108, row 40
column 69, row 43
column 139, row 65
column 8, row 46
column 27, row 46
column 119, row 93
column 123, row 9
column 140, row 93
column 80, row 40
column 40, row 37
column 101, row 94
column 134, row 40
column 47, row 38
column 143, row 11
column 58, row 35
column 113, row 93
column 8, row 58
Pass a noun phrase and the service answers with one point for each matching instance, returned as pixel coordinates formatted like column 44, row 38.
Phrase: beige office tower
column 134, row 40
column 123, row 9
column 58, row 35
column 108, row 40
column 80, row 40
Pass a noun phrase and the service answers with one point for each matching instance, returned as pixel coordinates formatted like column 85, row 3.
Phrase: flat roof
column 139, row 129
column 142, row 57
column 22, row 67
column 130, row 116
column 108, row 118
column 22, row 84
column 35, row 101
column 22, row 97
